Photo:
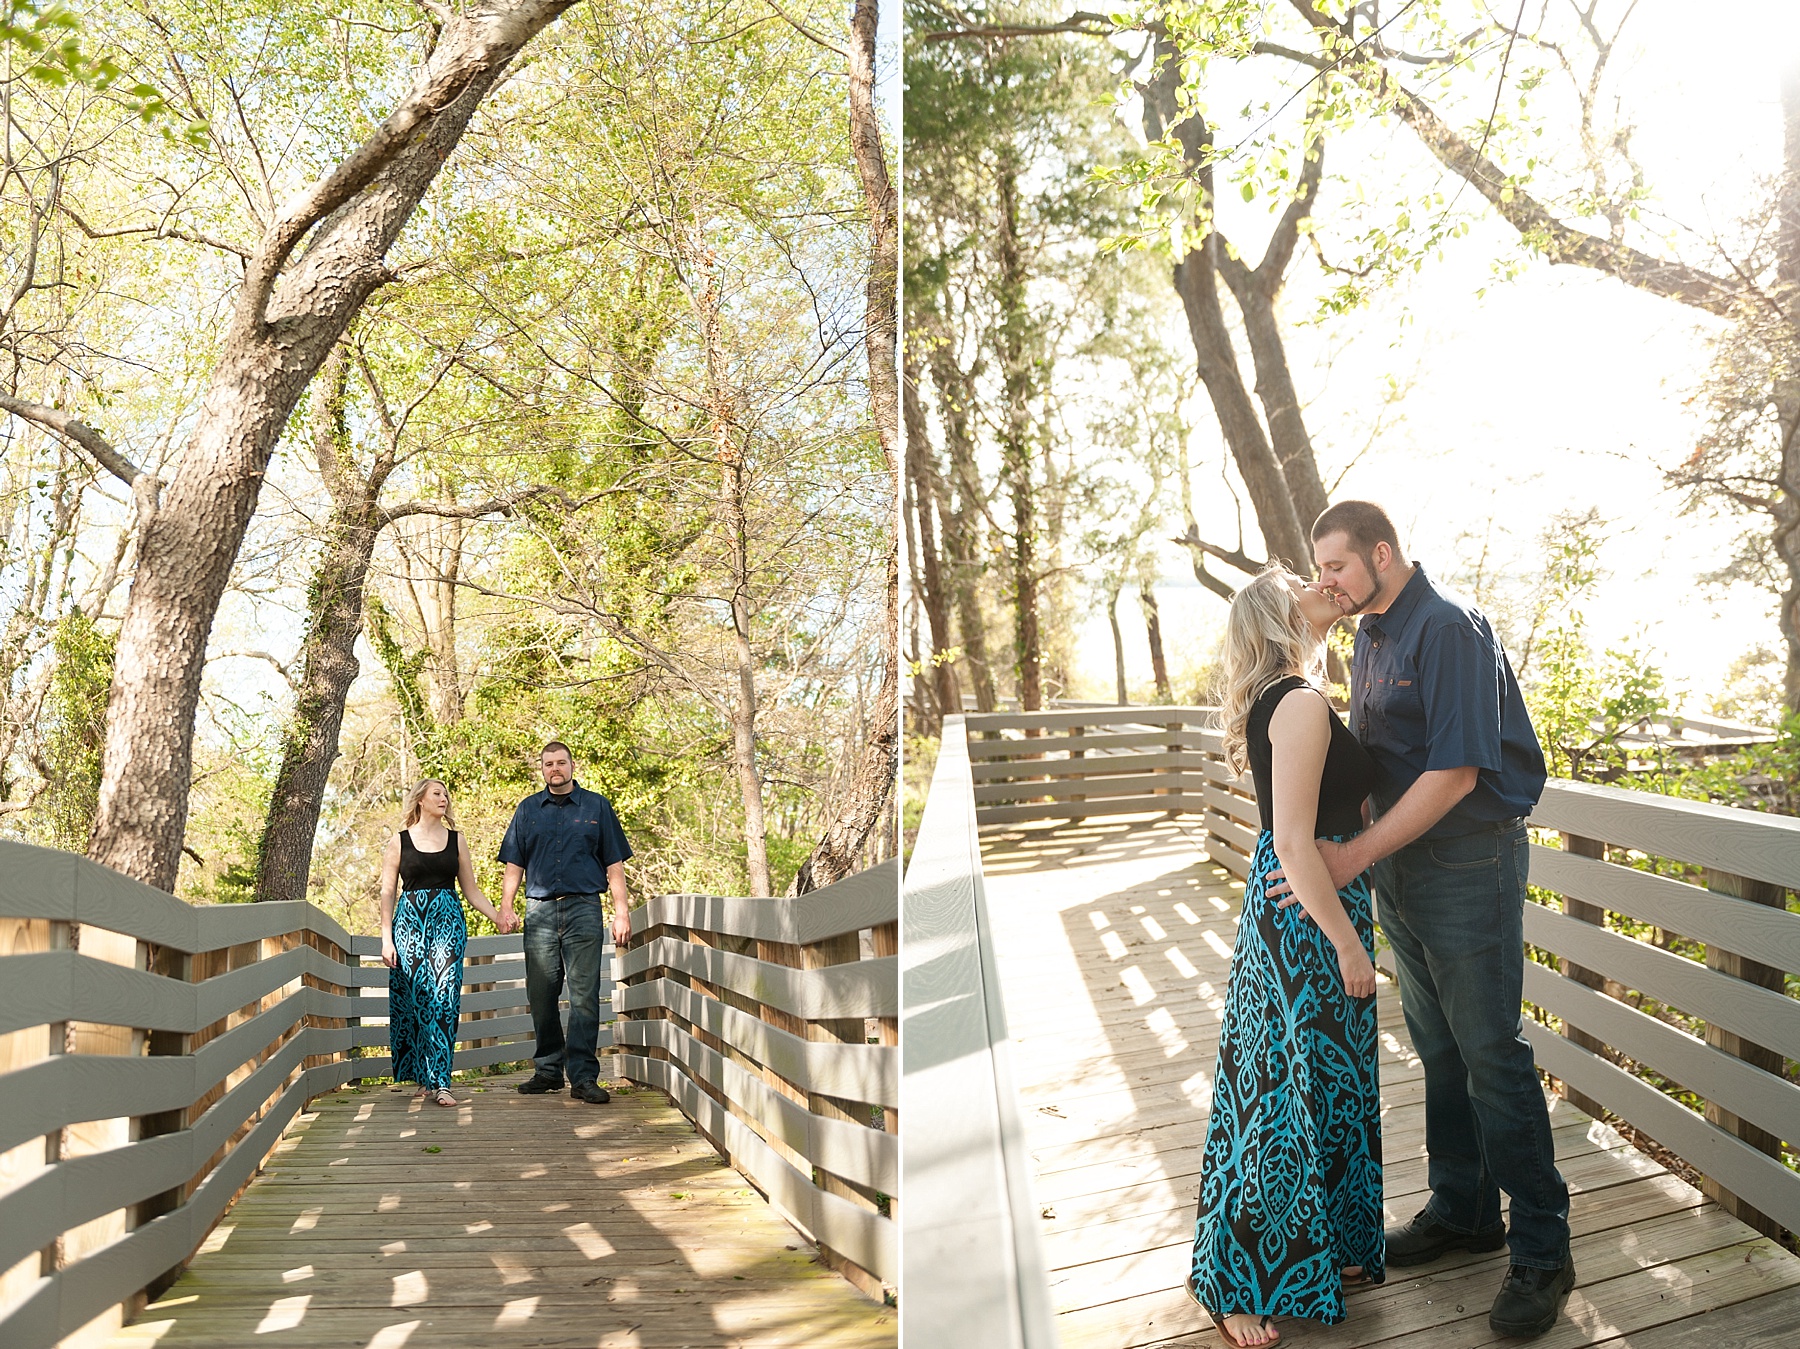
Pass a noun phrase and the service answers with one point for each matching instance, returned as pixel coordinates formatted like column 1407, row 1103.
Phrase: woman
column 1290, row 1194
column 423, row 935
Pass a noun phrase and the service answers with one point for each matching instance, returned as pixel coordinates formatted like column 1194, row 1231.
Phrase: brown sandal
column 444, row 1098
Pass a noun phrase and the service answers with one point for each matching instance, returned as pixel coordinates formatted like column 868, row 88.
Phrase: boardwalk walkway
column 381, row 1221
column 1114, row 939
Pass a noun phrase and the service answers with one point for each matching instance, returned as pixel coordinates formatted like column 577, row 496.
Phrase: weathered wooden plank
column 1766, row 1017
column 1771, row 934
column 1730, row 1161
column 854, row 1072
column 1091, row 766
column 866, row 899
column 714, row 1266
column 1095, row 742
column 857, row 988
column 979, row 723
column 855, row 1152
column 1743, row 842
column 1077, row 810
column 1740, row 1087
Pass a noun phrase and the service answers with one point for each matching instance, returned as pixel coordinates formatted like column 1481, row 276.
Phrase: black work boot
column 591, row 1092
column 1425, row 1238
column 1530, row 1299
column 537, row 1086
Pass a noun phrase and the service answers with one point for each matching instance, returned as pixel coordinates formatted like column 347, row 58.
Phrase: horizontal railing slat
column 1097, row 789
column 1079, row 810
column 867, row 899
column 1739, row 1087
column 858, row 988
column 1099, row 743
column 1730, row 1161
column 854, row 1151
column 868, row 1073
column 1761, row 1015
column 1769, row 934
column 1749, row 843
column 979, row 723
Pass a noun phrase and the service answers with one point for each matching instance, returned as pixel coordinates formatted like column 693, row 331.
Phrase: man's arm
column 510, row 881
column 621, row 904
column 1426, row 802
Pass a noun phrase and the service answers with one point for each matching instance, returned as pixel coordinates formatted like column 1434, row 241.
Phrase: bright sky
column 1561, row 389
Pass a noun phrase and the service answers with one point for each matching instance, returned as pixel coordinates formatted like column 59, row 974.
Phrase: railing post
column 1077, row 753
column 1584, row 913
column 486, row 1013
column 817, row 955
column 1769, row 1060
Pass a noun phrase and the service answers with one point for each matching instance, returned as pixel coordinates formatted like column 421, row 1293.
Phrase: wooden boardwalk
column 1114, row 939
column 381, row 1221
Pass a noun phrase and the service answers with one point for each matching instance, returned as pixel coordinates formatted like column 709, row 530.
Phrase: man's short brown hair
column 557, row 744
column 1363, row 523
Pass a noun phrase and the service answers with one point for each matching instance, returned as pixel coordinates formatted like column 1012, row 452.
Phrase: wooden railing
column 1707, row 879
column 972, row 1229
column 773, row 1024
column 152, row 1052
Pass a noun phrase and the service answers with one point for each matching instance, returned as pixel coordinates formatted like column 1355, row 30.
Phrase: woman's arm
column 1299, row 735
column 390, row 879
column 465, row 872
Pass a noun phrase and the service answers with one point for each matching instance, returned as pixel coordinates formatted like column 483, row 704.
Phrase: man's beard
column 1368, row 561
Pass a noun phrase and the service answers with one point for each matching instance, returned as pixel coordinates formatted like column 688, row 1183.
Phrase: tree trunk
column 284, row 322
column 1153, row 626
column 1196, row 281
column 328, row 664
column 1015, row 442
column 1112, row 617
column 835, row 854
column 1787, row 391
column 955, row 396
column 932, row 591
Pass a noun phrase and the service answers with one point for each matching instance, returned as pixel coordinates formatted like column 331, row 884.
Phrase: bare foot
column 1250, row 1331
column 444, row 1097
column 1352, row 1273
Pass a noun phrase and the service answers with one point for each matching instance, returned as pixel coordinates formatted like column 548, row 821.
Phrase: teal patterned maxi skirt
column 425, row 985
column 1290, row 1182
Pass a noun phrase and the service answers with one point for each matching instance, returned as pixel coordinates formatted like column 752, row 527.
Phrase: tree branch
column 78, row 433
column 1534, row 221
column 481, row 40
column 493, row 506
column 1081, row 21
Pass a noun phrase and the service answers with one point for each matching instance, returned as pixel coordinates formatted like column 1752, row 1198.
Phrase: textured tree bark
column 1256, row 293
column 1159, row 664
column 1112, row 617
column 926, row 495
column 328, row 664
column 284, row 322
column 1015, row 442
column 960, row 525
column 1196, row 281
column 835, row 854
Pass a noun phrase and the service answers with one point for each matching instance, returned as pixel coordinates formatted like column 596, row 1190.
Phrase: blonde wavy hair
column 411, row 811
column 1266, row 638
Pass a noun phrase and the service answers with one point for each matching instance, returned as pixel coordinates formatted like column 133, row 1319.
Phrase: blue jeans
column 1454, row 910
column 563, row 940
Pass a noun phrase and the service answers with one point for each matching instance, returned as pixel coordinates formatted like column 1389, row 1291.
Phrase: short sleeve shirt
column 565, row 843
column 1431, row 688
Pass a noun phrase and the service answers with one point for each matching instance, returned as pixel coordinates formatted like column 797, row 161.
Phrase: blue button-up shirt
column 1431, row 688
column 565, row 843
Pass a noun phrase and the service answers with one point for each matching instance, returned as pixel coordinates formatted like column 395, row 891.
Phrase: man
column 1434, row 701
column 565, row 843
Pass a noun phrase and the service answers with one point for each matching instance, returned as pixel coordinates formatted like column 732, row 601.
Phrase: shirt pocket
column 1393, row 704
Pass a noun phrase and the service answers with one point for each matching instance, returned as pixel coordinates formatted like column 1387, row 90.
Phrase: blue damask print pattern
column 425, row 986
column 1290, row 1189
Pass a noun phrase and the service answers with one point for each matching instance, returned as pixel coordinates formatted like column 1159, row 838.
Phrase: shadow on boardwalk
column 1114, row 941
column 381, row 1221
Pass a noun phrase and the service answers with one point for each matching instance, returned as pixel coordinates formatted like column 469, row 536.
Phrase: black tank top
column 427, row 870
column 1349, row 774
